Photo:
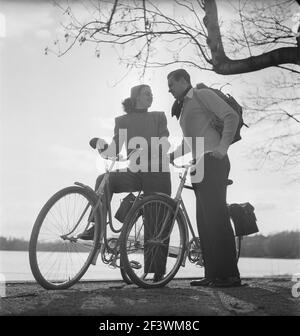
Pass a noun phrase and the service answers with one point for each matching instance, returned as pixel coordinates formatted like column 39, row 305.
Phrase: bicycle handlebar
column 188, row 165
column 120, row 157
column 94, row 142
column 191, row 163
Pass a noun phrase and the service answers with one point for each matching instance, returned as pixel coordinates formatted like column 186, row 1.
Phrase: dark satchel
column 125, row 207
column 243, row 218
column 217, row 123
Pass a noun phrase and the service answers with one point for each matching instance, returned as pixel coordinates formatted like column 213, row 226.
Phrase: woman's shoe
column 204, row 282
column 87, row 234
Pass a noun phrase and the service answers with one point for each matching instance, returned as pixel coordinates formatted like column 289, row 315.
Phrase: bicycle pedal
column 112, row 265
column 135, row 264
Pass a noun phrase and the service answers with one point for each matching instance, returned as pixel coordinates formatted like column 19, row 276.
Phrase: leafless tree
column 141, row 25
column 258, row 36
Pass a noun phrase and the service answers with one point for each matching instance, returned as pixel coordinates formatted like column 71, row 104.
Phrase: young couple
column 190, row 107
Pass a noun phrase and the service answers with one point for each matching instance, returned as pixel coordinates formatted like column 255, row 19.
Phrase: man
column 196, row 110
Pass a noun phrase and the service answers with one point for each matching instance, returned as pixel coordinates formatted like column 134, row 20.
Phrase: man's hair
column 180, row 73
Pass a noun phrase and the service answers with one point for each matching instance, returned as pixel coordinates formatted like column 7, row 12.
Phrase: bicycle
column 170, row 240
column 58, row 257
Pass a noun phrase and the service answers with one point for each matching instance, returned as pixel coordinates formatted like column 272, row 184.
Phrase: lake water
column 14, row 266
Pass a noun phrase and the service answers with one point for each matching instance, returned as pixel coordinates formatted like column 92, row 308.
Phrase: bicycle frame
column 98, row 211
column 180, row 203
column 181, row 207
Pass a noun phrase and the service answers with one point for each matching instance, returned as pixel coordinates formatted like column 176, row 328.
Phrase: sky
column 52, row 106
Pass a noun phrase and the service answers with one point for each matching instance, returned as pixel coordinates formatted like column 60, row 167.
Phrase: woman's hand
column 98, row 143
column 93, row 142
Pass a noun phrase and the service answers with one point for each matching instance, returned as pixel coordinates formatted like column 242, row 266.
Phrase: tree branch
column 226, row 66
column 112, row 15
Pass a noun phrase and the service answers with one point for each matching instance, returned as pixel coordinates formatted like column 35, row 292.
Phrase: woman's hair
column 130, row 102
column 128, row 105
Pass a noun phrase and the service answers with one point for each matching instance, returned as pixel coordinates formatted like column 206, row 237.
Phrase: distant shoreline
column 282, row 245
column 242, row 256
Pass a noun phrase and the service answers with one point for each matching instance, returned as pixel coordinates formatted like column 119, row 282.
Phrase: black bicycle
column 169, row 242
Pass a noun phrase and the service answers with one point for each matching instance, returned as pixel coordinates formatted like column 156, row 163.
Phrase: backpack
column 243, row 218
column 217, row 123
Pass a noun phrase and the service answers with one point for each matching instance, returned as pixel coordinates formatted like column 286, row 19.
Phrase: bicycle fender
column 163, row 195
column 84, row 186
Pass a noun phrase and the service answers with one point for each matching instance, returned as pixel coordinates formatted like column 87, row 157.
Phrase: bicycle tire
column 124, row 275
column 66, row 248
column 170, row 245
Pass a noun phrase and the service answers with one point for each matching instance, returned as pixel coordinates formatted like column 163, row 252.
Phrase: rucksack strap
column 207, row 111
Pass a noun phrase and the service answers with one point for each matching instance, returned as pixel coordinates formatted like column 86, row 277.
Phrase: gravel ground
column 260, row 297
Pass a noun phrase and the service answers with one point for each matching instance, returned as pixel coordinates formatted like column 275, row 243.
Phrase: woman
column 150, row 171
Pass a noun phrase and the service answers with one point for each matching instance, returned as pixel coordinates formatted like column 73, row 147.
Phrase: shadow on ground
column 260, row 297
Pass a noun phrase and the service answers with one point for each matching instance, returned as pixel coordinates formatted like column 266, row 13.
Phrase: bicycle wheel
column 58, row 258
column 152, row 244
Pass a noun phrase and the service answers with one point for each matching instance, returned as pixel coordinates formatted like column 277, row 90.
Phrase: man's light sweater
column 199, row 109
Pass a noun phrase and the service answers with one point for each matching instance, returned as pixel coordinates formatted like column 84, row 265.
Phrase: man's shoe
column 87, row 234
column 227, row 282
column 204, row 282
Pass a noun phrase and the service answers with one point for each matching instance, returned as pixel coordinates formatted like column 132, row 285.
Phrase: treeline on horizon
column 284, row 244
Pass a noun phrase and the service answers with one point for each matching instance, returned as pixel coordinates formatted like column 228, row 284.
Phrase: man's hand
column 219, row 153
